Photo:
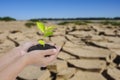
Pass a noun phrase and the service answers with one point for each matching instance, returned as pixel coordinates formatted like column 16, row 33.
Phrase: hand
column 38, row 57
column 14, row 55
column 18, row 58
column 22, row 49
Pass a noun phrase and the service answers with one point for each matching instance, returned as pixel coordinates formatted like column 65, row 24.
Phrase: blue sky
column 26, row 9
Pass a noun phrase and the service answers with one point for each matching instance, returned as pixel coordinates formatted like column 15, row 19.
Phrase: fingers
column 47, row 52
column 51, row 58
column 44, row 52
column 53, row 44
column 39, row 56
column 48, row 60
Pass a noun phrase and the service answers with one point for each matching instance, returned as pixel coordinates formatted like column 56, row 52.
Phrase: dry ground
column 89, row 52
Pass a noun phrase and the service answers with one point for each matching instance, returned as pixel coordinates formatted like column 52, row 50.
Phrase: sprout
column 46, row 31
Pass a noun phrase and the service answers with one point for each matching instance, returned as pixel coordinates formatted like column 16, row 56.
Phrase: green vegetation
column 87, row 21
column 7, row 19
column 114, row 23
column 30, row 24
column 63, row 23
column 65, row 19
column 37, row 20
column 46, row 31
column 79, row 18
column 74, row 22
column 34, row 20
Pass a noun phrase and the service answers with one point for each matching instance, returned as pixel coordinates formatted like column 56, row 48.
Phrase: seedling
column 46, row 31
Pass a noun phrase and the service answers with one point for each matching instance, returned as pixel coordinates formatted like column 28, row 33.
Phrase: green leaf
column 48, row 33
column 50, row 28
column 41, row 27
column 41, row 42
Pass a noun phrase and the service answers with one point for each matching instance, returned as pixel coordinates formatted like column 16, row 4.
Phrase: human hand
column 22, row 49
column 19, row 57
column 38, row 57
column 15, row 54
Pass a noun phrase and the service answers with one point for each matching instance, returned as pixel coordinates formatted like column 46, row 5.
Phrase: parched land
column 89, row 52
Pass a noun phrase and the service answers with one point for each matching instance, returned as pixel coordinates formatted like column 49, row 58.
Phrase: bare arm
column 7, row 59
column 10, row 73
column 13, row 55
column 36, row 57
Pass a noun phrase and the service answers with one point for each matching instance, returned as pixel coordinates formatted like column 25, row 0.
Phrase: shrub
column 0, row 18
column 34, row 20
column 30, row 24
column 105, row 23
column 114, row 23
column 63, row 23
column 87, row 21
column 37, row 20
column 7, row 19
column 79, row 23
column 73, row 22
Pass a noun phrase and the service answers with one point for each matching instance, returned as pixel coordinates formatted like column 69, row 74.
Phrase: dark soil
column 41, row 47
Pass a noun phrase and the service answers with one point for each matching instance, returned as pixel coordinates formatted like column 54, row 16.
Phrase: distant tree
column 0, row 18
column 36, row 20
column 7, row 19
column 116, row 18
column 78, row 18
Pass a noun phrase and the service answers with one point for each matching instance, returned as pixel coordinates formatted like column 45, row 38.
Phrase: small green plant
column 46, row 31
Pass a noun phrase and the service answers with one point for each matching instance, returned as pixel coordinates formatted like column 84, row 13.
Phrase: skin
column 13, row 62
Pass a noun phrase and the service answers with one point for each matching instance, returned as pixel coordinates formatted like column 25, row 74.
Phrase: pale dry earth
column 89, row 52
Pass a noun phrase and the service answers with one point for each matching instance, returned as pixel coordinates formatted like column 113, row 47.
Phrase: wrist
column 15, row 52
column 28, row 60
column 18, row 52
column 25, row 60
